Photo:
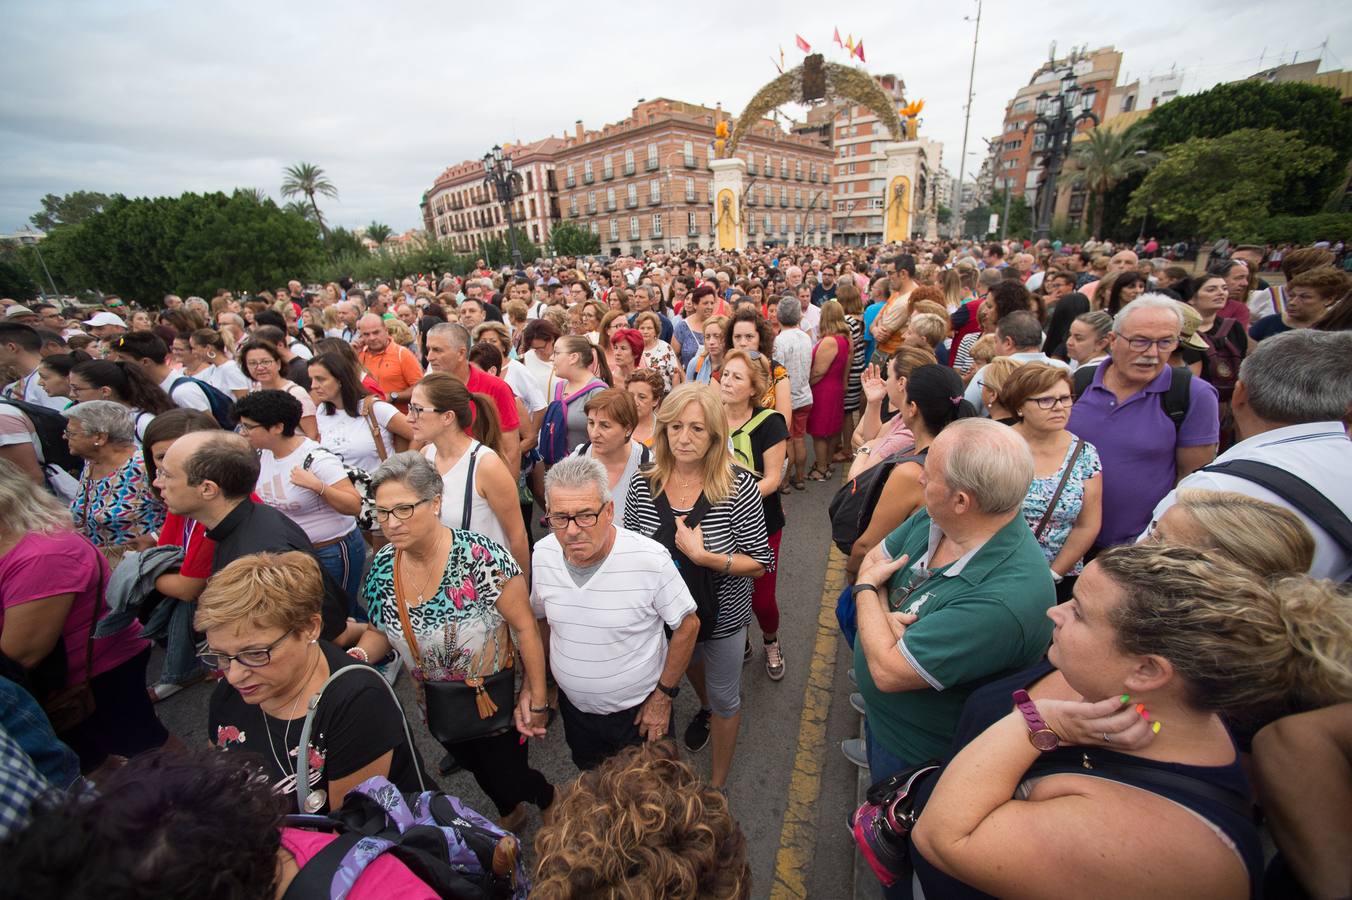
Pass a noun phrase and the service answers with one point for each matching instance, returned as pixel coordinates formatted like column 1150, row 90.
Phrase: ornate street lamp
column 499, row 175
column 1055, row 123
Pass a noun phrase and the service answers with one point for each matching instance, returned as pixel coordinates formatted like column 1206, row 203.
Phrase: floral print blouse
column 1068, row 507
column 458, row 629
column 119, row 507
column 661, row 359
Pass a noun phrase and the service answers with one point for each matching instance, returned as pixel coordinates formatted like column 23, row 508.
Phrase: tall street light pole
column 498, row 173
column 1055, row 123
column 967, row 119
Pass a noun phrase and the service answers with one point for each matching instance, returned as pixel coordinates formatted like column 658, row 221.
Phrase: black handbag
column 699, row 580
column 459, row 710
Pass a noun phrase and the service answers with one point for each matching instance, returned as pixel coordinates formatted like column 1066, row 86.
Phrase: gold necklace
column 427, row 579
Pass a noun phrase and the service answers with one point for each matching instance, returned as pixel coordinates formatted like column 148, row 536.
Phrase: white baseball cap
column 106, row 318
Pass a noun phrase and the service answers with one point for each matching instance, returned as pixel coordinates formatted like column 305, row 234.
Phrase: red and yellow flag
column 802, row 44
column 859, row 50
column 836, row 38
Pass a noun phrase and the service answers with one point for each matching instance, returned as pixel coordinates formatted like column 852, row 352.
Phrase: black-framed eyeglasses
column 1142, row 344
column 917, row 576
column 400, row 512
column 245, row 428
column 414, row 410
column 1052, row 402
column 253, row 658
column 560, row 521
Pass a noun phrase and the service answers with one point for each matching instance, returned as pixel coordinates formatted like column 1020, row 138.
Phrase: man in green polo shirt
column 956, row 597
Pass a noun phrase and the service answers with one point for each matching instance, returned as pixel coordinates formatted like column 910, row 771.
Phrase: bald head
column 374, row 335
column 1122, row 261
column 205, row 466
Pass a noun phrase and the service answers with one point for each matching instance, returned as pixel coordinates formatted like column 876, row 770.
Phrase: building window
column 798, row 169
column 652, row 157
column 572, row 205
column 633, row 228
column 610, row 199
column 1013, row 145
column 690, row 190
column 751, row 164
column 711, row 190
column 587, row 175
column 530, row 180
column 631, row 197
column 798, row 198
column 1010, row 163
column 1039, row 140
column 629, row 162
column 769, row 171
column 783, row 167
column 689, row 154
column 812, row 172
column 692, row 223
column 614, row 229
column 591, row 202
column 595, row 227
column 654, row 191
column 783, row 196
column 768, row 226
column 607, row 167
column 655, row 230
column 783, row 224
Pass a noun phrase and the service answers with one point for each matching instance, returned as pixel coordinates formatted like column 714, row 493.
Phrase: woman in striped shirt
column 726, row 547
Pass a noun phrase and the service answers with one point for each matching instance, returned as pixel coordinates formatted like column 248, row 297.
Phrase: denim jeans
column 882, row 763
column 345, row 561
column 180, row 651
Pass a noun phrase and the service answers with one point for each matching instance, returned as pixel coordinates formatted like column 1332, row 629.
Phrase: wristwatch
column 671, row 692
column 1039, row 735
column 860, row 588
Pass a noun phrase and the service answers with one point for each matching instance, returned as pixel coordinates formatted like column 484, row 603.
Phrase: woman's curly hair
column 641, row 826
column 167, row 825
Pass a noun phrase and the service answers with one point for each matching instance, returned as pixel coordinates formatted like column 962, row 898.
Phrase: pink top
column 386, row 877
column 896, row 437
column 63, row 562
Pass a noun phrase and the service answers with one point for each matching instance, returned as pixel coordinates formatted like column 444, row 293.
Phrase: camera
column 882, row 825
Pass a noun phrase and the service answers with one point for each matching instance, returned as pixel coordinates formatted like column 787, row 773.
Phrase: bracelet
column 322, row 489
column 541, row 710
column 359, row 653
column 727, row 566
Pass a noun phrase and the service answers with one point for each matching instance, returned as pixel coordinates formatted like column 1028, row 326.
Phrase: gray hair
column 104, row 417
column 413, row 471
column 1020, row 328
column 987, row 461
column 1146, row 301
column 455, row 333
column 789, row 311
column 1300, row 377
column 579, row 473
column 654, row 294
column 22, row 500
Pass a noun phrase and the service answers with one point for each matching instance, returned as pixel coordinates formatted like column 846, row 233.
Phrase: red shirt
column 198, row 549
column 480, row 382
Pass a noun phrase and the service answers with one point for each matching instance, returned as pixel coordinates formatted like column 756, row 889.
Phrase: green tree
column 1020, row 223
column 945, row 214
column 1104, row 159
column 341, row 242
column 307, row 180
column 72, row 209
column 258, row 195
column 1316, row 114
column 297, row 208
column 568, row 240
column 15, row 281
column 378, row 231
column 1226, row 185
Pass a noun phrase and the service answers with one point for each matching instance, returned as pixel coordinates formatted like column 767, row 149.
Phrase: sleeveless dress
column 482, row 519
column 854, row 390
column 828, row 395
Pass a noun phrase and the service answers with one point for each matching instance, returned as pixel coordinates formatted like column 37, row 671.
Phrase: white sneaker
column 389, row 667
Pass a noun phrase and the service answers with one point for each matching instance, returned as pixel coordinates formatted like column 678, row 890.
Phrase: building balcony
column 573, row 213
column 797, row 176
column 654, row 201
column 633, row 235
column 591, row 210
column 589, row 178
column 608, row 175
column 651, row 166
column 610, row 207
column 690, row 198
column 751, row 200
column 570, row 182
column 631, row 203
column 689, row 162
column 751, row 168
column 692, row 231
column 629, row 168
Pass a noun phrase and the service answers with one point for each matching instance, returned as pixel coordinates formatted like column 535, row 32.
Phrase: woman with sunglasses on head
column 454, row 605
column 1064, row 506
column 261, row 618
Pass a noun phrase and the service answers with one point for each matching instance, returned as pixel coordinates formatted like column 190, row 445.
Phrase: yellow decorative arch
column 898, row 223
column 814, row 80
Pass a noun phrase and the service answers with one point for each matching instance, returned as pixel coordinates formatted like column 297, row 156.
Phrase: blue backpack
column 221, row 404
column 554, row 427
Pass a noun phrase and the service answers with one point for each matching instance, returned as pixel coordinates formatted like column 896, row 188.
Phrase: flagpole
column 967, row 121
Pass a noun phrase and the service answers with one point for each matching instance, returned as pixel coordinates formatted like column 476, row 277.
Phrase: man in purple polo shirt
column 1122, row 414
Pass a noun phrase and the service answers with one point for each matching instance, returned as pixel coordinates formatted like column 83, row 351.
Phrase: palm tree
column 258, row 195
column 308, row 180
column 1105, row 158
column 378, row 231
column 300, row 209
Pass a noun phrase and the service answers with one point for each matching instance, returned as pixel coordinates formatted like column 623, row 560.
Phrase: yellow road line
column 797, row 838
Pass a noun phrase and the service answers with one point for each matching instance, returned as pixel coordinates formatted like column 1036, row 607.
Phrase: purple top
column 1136, row 442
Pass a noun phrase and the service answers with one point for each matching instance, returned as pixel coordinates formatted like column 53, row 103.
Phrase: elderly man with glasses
column 602, row 596
column 1147, row 440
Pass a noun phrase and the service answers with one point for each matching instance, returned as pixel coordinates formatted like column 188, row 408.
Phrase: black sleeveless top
column 990, row 703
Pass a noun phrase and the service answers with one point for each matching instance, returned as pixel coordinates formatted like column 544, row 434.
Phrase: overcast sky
column 155, row 98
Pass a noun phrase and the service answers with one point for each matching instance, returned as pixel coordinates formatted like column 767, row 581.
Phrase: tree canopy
column 72, row 209
column 1226, row 185
column 569, row 240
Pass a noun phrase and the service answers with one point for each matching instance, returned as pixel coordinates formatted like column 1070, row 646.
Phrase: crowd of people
column 1093, row 509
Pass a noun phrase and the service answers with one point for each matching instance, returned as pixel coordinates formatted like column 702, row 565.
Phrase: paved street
column 791, row 789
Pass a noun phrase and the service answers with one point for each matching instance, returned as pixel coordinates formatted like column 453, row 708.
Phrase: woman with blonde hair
column 708, row 513
column 828, row 375
column 1123, row 733
column 993, row 380
column 1269, row 539
column 261, row 617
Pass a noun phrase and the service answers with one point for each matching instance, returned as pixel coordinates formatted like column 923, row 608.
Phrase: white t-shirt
column 482, row 519
column 812, row 318
column 305, row 507
column 28, row 390
column 524, row 385
column 187, row 395
column 307, row 404
column 606, row 643
column 539, row 370
column 299, row 348
column 350, row 436
column 225, row 377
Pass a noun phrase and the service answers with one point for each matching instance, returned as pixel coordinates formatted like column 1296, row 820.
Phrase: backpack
column 554, row 427
column 1176, row 399
column 852, row 507
column 50, row 427
column 1222, row 360
column 741, row 440
column 222, row 405
column 700, row 581
column 361, row 480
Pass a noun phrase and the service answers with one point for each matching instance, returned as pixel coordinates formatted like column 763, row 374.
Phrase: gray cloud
column 151, row 98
